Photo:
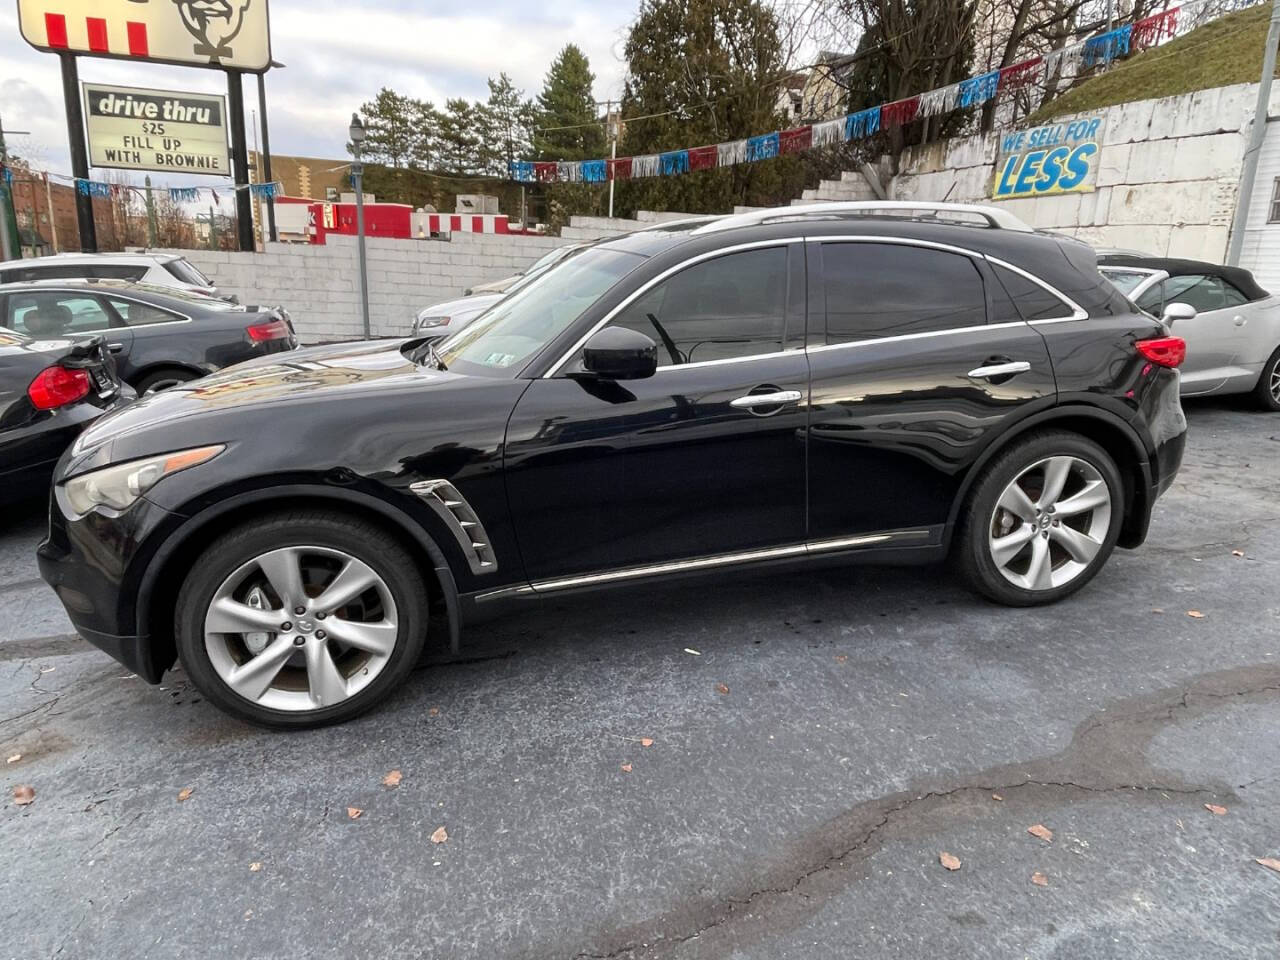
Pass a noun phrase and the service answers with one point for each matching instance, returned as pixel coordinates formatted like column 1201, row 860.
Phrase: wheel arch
column 143, row 372
column 1111, row 432
column 162, row 579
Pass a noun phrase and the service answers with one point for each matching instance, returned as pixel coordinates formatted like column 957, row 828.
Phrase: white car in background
column 157, row 269
column 1230, row 324
column 541, row 265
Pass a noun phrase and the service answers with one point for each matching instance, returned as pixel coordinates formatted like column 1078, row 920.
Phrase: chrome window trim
column 810, row 548
column 1077, row 312
column 654, row 281
column 183, row 318
column 899, row 241
column 919, row 336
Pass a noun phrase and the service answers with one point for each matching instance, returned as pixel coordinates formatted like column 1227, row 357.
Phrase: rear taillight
column 271, row 330
column 57, row 386
column 1165, row 352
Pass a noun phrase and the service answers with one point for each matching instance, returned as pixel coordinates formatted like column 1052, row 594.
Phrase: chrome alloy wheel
column 1275, row 381
column 301, row 628
column 1050, row 523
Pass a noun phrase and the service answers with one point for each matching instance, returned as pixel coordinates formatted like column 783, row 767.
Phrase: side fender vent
column 444, row 498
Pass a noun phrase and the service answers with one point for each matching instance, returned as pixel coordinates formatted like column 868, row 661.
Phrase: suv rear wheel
column 1041, row 521
column 301, row 619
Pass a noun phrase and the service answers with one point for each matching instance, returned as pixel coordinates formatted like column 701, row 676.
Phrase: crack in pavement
column 1106, row 756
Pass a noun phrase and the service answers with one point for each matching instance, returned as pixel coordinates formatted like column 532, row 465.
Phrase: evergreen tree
column 389, row 128
column 459, row 141
column 568, row 125
column 505, row 124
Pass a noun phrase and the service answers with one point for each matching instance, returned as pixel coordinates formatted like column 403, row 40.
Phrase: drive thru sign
column 205, row 33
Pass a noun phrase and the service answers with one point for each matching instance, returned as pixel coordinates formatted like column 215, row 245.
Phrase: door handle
column 116, row 347
column 1001, row 369
column 766, row 399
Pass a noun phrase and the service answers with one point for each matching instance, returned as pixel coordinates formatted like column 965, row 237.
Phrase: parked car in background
column 50, row 390
column 159, row 336
column 545, row 262
column 452, row 315
column 869, row 382
column 158, row 269
column 1233, row 337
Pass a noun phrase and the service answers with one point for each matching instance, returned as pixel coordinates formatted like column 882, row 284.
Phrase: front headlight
column 119, row 486
column 431, row 323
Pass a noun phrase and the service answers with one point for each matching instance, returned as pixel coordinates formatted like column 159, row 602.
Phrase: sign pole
column 1257, row 133
column 240, row 161
column 79, row 155
column 266, row 156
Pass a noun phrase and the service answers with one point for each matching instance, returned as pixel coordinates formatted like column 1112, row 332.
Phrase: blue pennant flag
column 761, row 148
column 594, row 171
column 8, row 177
column 862, row 124
column 677, row 161
column 1106, row 47
column 264, row 191
column 979, row 89
column 522, row 171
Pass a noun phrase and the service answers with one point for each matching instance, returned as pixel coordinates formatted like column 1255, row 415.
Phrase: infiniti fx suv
column 872, row 382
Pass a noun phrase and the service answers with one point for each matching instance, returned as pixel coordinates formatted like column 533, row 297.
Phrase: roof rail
column 996, row 218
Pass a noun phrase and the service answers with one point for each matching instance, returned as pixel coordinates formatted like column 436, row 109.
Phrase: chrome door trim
column 812, row 548
column 463, row 522
column 1077, row 312
column 654, row 281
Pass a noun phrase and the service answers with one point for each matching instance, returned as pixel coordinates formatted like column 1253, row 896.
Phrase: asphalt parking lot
column 836, row 731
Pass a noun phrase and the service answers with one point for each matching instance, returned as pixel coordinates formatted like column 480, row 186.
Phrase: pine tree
column 505, row 123
column 389, row 128
column 568, row 125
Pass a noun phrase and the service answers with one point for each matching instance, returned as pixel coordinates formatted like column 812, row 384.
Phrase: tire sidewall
column 1264, row 396
column 978, row 563
column 239, row 547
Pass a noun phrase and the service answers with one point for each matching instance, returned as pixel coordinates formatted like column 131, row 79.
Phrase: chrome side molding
column 462, row 521
column 813, row 548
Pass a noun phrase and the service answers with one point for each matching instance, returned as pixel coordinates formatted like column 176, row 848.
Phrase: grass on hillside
column 1218, row 54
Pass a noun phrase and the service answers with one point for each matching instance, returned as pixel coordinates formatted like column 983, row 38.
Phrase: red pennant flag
column 899, row 112
column 703, row 158
column 794, row 141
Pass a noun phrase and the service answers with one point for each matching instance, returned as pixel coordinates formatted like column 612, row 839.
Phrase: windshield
column 508, row 335
column 554, row 259
column 1126, row 281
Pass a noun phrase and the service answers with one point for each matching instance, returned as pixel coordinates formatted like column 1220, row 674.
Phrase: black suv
column 883, row 382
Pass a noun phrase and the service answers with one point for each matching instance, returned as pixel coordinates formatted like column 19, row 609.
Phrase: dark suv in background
column 872, row 382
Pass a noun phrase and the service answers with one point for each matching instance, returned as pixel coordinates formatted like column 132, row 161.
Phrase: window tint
column 732, row 306
column 1203, row 293
column 140, row 314
column 35, row 271
column 882, row 290
column 188, row 274
column 1126, row 281
column 109, row 271
column 1034, row 301
column 1234, row 297
column 55, row 314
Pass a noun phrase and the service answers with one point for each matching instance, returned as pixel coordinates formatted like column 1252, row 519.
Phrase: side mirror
column 616, row 353
column 1178, row 311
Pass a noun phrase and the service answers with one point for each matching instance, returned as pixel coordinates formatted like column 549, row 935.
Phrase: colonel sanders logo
column 214, row 24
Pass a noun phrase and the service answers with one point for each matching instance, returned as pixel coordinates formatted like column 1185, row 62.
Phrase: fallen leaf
column 626, row 768
column 1271, row 863
column 354, row 812
column 997, row 797
column 440, row 836
column 646, row 741
column 255, row 867
column 949, row 861
column 1237, row 553
column 184, row 793
column 1156, row 610
column 1195, row 614
column 721, row 689
column 23, row 794
column 841, row 658
column 1216, row 810
column 433, row 712
column 692, row 651
column 1041, row 831
column 392, row 779
column 15, row 758
column 1039, row 879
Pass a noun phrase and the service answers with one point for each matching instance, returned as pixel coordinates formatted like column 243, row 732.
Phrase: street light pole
column 357, row 133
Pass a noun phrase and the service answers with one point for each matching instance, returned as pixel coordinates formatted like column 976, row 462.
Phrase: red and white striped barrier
column 430, row 223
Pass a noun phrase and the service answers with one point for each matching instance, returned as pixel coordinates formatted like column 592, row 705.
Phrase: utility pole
column 265, row 156
column 7, row 213
column 79, row 155
column 153, row 228
column 1256, row 134
column 611, row 127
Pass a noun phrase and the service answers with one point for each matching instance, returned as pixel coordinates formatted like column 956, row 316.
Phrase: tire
column 1267, row 392
column 1049, row 555
column 164, row 379
column 332, row 662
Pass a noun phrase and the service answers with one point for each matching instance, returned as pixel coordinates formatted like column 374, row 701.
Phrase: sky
column 336, row 56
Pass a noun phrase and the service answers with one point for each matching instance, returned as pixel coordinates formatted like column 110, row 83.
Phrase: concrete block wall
column 1167, row 181
column 319, row 284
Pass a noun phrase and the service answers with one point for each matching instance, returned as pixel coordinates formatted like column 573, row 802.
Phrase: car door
column 1215, row 336
column 49, row 314
column 918, row 362
column 703, row 459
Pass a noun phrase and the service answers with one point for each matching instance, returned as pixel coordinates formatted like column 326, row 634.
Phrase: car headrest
column 48, row 320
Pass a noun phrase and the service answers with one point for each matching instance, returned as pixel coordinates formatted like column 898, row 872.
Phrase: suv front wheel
column 1041, row 521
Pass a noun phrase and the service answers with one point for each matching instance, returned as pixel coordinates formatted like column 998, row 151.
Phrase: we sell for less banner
column 1051, row 159
column 163, row 130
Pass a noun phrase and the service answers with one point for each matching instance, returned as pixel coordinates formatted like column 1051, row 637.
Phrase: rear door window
column 879, row 290
column 1033, row 301
column 52, row 314
column 1196, row 290
column 137, row 314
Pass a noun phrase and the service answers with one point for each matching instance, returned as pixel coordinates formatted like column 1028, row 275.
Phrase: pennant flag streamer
column 1019, row 75
column 732, row 152
column 646, row 166
column 825, row 134
column 8, row 177
column 795, row 141
column 594, row 171
column 703, row 158
column 899, row 112
column 675, row 162
column 942, row 100
column 862, row 124
column 1151, row 30
column 93, row 188
column 762, row 147
column 1105, row 47
column 979, row 89
column 184, row 194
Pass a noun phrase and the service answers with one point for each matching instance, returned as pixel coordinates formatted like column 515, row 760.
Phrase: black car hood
column 343, row 373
